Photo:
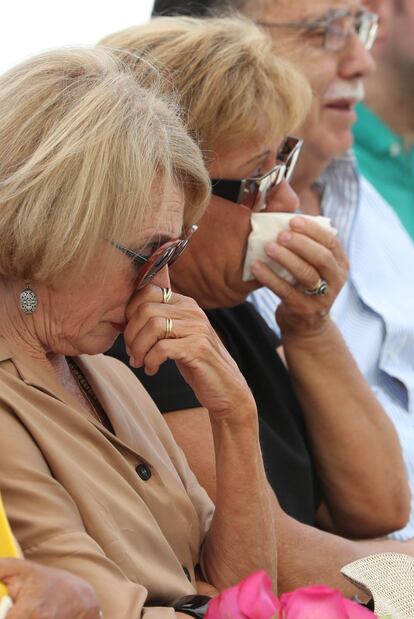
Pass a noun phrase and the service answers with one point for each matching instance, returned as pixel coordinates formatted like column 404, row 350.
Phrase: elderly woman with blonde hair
column 100, row 187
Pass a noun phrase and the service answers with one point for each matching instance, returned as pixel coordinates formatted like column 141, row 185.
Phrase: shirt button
column 187, row 573
column 395, row 149
column 143, row 471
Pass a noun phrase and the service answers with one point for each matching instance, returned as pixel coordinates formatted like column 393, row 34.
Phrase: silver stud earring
column 28, row 300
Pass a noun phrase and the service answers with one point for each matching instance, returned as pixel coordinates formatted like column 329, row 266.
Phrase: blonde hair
column 83, row 146
column 226, row 75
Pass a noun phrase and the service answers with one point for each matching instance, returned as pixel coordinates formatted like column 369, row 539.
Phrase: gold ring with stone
column 320, row 289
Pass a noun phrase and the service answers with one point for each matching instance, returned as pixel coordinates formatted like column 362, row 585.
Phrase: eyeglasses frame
column 236, row 190
column 161, row 254
column 327, row 20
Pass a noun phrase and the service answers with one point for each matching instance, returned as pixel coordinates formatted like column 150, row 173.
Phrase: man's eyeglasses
column 337, row 27
column 149, row 266
column 252, row 192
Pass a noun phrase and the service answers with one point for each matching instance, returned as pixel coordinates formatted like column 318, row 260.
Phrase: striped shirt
column 375, row 309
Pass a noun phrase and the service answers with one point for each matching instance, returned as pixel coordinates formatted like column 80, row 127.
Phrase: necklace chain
column 96, row 406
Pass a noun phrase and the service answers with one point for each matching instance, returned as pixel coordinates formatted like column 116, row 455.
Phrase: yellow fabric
column 8, row 547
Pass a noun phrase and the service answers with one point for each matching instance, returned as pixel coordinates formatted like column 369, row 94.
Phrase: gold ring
column 168, row 328
column 166, row 295
column 319, row 290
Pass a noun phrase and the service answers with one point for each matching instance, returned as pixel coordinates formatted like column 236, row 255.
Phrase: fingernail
column 256, row 268
column 132, row 362
column 128, row 351
column 271, row 248
column 284, row 237
column 298, row 222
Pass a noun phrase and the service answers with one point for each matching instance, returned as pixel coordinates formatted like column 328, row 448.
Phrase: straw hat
column 389, row 578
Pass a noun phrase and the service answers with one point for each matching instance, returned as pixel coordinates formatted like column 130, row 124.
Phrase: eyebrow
column 262, row 155
column 154, row 243
column 340, row 11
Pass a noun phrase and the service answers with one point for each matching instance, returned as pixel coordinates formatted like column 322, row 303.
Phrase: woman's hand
column 40, row 592
column 180, row 330
column 310, row 253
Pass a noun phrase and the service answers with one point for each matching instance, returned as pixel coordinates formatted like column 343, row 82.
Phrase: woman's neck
column 21, row 331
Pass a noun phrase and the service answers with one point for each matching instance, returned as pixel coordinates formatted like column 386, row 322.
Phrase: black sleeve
column 167, row 388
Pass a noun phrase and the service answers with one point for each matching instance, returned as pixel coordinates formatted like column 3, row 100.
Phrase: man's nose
column 281, row 199
column 162, row 278
column 355, row 60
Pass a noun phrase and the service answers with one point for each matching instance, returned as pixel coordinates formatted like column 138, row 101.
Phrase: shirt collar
column 339, row 187
column 32, row 373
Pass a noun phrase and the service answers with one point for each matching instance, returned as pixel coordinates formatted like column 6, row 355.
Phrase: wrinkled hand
column 310, row 253
column 40, row 592
column 193, row 344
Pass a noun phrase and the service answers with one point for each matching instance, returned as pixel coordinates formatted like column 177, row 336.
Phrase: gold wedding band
column 166, row 295
column 168, row 328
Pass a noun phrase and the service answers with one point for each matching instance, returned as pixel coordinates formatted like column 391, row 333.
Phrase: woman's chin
column 96, row 344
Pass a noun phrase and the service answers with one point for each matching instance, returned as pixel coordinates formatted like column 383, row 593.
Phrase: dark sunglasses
column 252, row 192
column 149, row 266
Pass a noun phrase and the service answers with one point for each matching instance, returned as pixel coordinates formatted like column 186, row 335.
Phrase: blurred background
column 31, row 26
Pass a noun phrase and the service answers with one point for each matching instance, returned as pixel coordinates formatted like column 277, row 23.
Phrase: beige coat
column 74, row 498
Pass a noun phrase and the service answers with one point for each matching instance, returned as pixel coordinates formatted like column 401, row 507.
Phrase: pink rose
column 253, row 598
column 320, row 602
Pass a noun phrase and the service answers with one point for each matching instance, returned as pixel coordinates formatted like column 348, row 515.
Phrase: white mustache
column 341, row 89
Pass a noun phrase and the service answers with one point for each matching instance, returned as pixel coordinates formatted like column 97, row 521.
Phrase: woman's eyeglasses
column 149, row 266
column 252, row 192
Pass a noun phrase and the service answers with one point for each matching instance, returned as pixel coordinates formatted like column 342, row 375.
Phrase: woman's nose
column 281, row 199
column 162, row 278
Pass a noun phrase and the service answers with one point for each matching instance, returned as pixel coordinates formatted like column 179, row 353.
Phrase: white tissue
column 265, row 228
column 5, row 605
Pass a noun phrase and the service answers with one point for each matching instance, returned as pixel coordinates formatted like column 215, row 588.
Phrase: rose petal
column 225, row 606
column 256, row 598
column 317, row 602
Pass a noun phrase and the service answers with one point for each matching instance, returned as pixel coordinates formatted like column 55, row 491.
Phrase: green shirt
column 386, row 164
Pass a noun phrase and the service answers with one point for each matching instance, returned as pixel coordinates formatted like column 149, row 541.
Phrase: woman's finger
column 320, row 234
column 148, row 294
column 290, row 295
column 171, row 327
column 146, row 308
column 303, row 272
column 312, row 252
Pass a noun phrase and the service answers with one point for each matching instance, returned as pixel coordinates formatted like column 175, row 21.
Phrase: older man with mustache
column 375, row 311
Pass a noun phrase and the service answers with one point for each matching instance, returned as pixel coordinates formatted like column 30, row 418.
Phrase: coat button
column 187, row 573
column 143, row 471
